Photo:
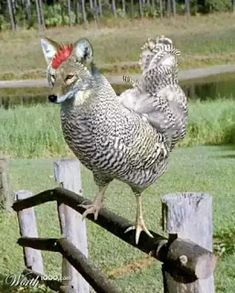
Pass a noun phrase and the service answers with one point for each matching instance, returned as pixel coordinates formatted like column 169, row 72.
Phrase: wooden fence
column 188, row 261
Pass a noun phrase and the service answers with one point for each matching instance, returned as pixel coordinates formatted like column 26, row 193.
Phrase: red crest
column 62, row 54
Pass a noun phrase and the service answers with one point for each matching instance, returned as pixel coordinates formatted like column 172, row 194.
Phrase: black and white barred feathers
column 157, row 96
column 129, row 137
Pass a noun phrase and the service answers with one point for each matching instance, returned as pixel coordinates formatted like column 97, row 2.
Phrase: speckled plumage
column 158, row 96
column 130, row 137
column 108, row 139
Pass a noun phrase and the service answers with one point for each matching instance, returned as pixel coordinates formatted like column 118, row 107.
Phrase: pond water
column 213, row 87
column 217, row 86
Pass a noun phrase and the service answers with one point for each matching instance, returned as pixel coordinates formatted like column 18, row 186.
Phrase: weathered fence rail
column 79, row 261
column 187, row 266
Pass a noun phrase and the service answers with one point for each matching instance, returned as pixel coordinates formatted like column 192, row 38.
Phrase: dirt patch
column 132, row 267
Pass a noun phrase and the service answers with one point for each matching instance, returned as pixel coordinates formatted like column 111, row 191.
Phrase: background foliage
column 49, row 13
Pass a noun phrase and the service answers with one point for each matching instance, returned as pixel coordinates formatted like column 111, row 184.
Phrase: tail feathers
column 157, row 97
column 159, row 52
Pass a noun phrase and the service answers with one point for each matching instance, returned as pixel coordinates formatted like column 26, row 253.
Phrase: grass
column 211, row 122
column 203, row 40
column 204, row 168
column 31, row 132
column 34, row 131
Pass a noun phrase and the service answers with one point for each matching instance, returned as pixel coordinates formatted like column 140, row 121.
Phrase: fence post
column 28, row 228
column 68, row 175
column 6, row 199
column 188, row 216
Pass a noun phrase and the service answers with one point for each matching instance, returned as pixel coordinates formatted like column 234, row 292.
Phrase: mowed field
column 203, row 40
column 204, row 169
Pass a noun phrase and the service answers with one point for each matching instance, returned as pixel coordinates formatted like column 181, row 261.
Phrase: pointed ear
column 49, row 49
column 83, row 51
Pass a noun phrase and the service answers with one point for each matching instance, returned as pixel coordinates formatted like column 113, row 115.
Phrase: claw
column 140, row 226
column 93, row 208
column 129, row 229
column 96, row 205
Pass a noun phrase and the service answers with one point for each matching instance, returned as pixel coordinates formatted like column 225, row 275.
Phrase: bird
column 127, row 137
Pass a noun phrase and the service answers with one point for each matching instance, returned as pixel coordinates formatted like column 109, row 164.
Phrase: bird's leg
column 96, row 205
column 140, row 224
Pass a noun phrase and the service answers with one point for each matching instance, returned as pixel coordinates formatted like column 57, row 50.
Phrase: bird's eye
column 52, row 78
column 69, row 76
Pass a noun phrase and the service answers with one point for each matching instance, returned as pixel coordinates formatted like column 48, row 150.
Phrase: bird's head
column 68, row 72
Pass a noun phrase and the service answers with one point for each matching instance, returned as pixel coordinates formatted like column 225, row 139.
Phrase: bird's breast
column 126, row 149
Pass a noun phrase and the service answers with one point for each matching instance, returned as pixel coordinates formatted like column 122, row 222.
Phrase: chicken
column 128, row 138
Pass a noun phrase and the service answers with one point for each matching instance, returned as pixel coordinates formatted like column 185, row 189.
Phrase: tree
column 114, row 8
column 141, row 8
column 124, row 7
column 187, row 7
column 95, row 6
column 28, row 12
column 132, row 8
column 69, row 11
column 12, row 15
column 91, row 5
column 174, row 7
column 168, row 8
column 153, row 4
column 83, row 11
column 40, row 15
column 100, row 8
column 161, row 9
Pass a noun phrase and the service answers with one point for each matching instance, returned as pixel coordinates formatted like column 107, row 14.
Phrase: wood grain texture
column 28, row 228
column 189, row 216
column 68, row 175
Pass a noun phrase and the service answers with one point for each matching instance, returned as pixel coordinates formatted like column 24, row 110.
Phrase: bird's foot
column 139, row 227
column 93, row 208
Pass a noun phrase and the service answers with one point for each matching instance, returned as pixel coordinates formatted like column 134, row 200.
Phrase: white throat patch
column 81, row 97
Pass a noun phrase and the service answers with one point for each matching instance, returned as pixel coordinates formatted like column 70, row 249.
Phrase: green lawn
column 204, row 168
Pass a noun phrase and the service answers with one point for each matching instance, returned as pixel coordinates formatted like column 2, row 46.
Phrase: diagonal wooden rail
column 79, row 261
column 200, row 262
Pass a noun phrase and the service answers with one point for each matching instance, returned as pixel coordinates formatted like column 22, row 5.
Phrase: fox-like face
column 67, row 71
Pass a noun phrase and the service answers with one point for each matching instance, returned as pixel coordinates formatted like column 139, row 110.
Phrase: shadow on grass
column 228, row 156
column 230, row 149
column 218, row 152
